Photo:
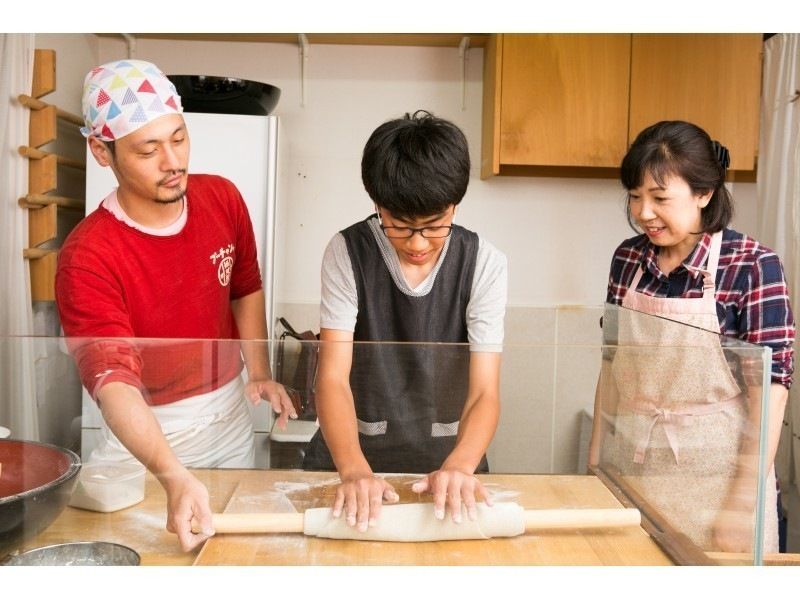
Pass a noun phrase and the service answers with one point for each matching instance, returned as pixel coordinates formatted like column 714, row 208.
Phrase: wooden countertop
column 142, row 526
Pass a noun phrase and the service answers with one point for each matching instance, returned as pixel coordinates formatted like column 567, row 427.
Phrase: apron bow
column 670, row 422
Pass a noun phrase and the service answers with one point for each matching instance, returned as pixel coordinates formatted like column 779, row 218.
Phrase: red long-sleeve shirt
column 113, row 282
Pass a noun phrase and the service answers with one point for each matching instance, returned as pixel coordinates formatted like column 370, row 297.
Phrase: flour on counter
column 500, row 494
column 268, row 502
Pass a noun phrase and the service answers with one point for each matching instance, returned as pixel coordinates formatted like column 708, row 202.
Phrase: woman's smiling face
column 668, row 213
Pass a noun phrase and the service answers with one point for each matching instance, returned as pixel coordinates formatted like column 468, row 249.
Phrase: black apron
column 408, row 397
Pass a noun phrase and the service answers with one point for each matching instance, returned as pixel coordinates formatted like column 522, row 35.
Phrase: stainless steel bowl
column 36, row 484
column 77, row 553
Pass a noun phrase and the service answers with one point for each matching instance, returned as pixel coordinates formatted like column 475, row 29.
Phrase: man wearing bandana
column 166, row 256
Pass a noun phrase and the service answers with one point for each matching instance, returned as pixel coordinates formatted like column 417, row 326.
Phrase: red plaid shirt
column 752, row 297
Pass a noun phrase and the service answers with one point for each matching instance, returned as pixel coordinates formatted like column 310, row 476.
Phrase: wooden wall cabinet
column 563, row 99
column 712, row 80
column 570, row 104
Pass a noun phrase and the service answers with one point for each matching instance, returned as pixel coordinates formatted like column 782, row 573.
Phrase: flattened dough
column 416, row 523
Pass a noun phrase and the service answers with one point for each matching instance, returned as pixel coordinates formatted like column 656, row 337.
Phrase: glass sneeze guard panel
column 683, row 420
column 678, row 466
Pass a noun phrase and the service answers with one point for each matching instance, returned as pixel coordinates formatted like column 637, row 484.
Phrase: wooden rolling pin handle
column 255, row 523
column 544, row 519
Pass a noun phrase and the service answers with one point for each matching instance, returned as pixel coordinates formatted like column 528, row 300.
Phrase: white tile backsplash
column 577, row 368
column 522, row 443
column 550, row 366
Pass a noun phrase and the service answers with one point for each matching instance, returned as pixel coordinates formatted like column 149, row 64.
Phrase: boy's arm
column 454, row 482
column 335, row 406
column 480, row 415
column 361, row 493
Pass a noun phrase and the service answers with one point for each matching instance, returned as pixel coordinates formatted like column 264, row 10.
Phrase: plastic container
column 109, row 487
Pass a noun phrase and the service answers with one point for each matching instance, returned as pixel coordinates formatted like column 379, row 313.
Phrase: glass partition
column 682, row 415
column 680, row 433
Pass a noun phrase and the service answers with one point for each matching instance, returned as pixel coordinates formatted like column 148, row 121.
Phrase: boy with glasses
column 408, row 275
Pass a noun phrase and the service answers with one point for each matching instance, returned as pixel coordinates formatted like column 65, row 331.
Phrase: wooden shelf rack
column 41, row 201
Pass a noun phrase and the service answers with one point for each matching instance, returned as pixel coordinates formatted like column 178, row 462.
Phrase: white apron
column 681, row 413
column 212, row 430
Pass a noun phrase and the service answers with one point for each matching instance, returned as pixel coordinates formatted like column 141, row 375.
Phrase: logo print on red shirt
column 225, row 268
column 224, row 271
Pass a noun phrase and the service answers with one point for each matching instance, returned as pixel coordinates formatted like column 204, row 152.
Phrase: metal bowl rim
column 32, row 551
column 241, row 79
column 72, row 471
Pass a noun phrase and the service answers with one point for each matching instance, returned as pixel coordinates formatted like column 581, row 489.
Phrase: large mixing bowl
column 225, row 95
column 36, row 482
column 77, row 553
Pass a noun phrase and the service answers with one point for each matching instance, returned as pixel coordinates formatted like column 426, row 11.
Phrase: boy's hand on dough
column 361, row 497
column 453, row 488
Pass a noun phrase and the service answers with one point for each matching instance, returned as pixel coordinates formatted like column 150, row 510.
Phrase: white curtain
column 779, row 228
column 18, row 410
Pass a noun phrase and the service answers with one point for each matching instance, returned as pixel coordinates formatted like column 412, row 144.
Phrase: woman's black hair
column 679, row 148
column 416, row 166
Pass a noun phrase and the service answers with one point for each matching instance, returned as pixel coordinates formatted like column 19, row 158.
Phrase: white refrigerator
column 244, row 149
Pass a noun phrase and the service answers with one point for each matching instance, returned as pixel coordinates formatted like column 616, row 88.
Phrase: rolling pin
column 416, row 522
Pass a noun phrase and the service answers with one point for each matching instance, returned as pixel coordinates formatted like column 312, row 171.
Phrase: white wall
column 558, row 234
column 76, row 53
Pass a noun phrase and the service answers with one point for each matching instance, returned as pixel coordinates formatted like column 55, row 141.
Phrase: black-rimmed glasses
column 406, row 232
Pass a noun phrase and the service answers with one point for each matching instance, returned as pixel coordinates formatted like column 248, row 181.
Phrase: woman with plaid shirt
column 696, row 420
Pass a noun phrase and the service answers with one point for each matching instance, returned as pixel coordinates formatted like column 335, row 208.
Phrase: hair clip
column 722, row 154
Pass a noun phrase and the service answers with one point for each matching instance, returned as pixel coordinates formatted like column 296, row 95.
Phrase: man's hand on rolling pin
column 360, row 496
column 275, row 394
column 452, row 487
column 187, row 500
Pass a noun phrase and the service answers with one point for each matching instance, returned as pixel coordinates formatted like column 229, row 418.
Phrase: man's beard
column 179, row 194
column 178, row 197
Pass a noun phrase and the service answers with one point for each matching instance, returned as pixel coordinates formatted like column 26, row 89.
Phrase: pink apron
column 681, row 413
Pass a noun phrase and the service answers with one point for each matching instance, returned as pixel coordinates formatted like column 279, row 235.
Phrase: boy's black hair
column 679, row 148
column 416, row 166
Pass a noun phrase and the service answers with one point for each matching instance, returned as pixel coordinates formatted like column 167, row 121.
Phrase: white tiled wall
column 577, row 367
column 550, row 365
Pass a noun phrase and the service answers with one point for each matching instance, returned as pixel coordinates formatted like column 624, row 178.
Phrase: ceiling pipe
column 131, row 41
column 302, row 42
column 462, row 53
